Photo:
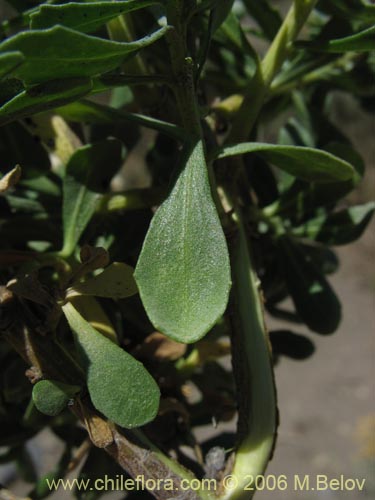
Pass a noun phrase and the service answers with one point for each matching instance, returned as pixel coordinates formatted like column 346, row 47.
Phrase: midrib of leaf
column 186, row 209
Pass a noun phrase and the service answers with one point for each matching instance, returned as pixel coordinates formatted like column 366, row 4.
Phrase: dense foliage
column 146, row 226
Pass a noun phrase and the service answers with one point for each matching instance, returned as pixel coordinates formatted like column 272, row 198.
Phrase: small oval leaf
column 51, row 397
column 120, row 387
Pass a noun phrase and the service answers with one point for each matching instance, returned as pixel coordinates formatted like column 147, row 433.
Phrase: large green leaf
column 88, row 172
column 183, row 272
column 51, row 397
column 314, row 299
column 301, row 200
column 64, row 53
column 306, row 163
column 120, row 387
column 364, row 41
column 9, row 61
column 85, row 17
column 44, row 97
column 339, row 228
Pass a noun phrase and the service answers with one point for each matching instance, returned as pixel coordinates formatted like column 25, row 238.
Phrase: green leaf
column 44, row 97
column 64, row 53
column 301, row 200
column 9, row 61
column 183, row 272
column 116, row 281
column 120, row 387
column 51, row 397
column 91, row 112
column 339, row 228
column 306, row 163
column 84, row 17
column 313, row 297
column 88, row 169
column 364, row 41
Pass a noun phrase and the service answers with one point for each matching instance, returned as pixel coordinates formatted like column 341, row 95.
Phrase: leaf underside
column 183, row 272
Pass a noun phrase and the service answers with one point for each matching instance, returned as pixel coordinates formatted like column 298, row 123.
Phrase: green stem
column 184, row 88
column 252, row 366
column 267, row 70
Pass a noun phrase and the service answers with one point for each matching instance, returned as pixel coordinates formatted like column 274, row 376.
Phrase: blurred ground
column 327, row 403
column 327, row 406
